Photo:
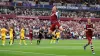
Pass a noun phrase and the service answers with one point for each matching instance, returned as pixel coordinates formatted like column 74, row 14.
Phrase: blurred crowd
column 39, row 12
column 73, row 29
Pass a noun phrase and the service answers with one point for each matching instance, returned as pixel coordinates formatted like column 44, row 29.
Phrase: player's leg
column 49, row 32
column 39, row 40
column 52, row 40
column 87, row 43
column 11, row 40
column 61, row 28
column 3, row 40
column 20, row 40
column 57, row 40
column 31, row 39
column 90, row 39
column 52, row 28
column 24, row 41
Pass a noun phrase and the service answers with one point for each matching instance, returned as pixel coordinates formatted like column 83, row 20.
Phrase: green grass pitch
column 63, row 48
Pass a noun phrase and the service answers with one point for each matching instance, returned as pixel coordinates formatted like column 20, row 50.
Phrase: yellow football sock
column 51, row 40
column 3, row 42
column 54, row 41
column 24, row 42
column 11, row 41
column 20, row 41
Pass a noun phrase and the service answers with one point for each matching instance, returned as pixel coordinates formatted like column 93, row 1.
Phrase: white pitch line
column 33, row 53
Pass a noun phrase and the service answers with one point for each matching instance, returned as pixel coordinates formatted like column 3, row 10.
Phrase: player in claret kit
column 31, row 34
column 89, row 33
column 55, row 17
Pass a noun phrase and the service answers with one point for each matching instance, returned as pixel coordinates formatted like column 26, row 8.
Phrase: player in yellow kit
column 57, row 36
column 3, row 35
column 22, row 36
column 11, row 35
column 53, row 40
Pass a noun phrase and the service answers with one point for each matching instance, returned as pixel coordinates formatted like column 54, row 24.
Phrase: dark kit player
column 40, row 36
column 89, row 34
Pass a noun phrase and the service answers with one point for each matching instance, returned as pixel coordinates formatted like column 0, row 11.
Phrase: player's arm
column 6, row 30
column 92, row 28
column 85, row 30
column 58, row 15
column 0, row 31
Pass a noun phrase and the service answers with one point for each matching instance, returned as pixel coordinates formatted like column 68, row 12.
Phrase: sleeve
column 58, row 15
column 84, row 26
column 93, row 26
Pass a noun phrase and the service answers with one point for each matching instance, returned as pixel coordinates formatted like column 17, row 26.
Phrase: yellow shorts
column 53, row 38
column 11, row 38
column 22, row 37
column 3, row 37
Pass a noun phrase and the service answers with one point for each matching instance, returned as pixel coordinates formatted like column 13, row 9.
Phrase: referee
column 40, row 36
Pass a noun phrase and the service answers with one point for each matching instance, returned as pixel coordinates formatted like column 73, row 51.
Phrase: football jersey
column 89, row 31
column 22, row 32
column 3, row 32
column 54, row 17
column 11, row 32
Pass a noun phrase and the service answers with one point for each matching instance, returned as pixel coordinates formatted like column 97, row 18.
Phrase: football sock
column 3, row 42
column 92, row 48
column 20, row 41
column 24, row 42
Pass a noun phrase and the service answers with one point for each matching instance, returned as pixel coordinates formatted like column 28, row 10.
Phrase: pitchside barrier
column 18, row 37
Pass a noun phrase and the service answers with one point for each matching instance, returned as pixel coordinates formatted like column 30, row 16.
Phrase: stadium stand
column 73, row 9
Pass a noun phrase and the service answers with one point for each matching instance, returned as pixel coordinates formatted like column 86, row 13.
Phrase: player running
column 22, row 36
column 40, row 36
column 89, row 33
column 31, row 35
column 54, row 20
column 3, row 35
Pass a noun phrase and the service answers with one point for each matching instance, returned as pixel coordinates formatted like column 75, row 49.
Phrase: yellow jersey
column 22, row 32
column 3, row 32
column 11, row 32
column 58, row 34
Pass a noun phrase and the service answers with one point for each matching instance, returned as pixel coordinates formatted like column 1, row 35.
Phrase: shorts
column 22, row 38
column 53, row 26
column 89, row 37
column 31, row 36
column 11, row 38
column 3, row 37
column 40, row 36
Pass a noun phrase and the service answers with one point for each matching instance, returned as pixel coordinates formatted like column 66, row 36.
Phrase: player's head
column 54, row 9
column 22, row 27
column 89, row 21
